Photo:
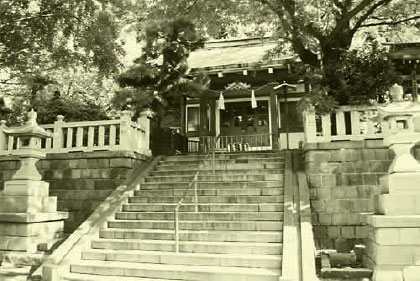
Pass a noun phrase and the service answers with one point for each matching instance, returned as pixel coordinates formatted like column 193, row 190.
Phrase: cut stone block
column 402, row 183
column 27, row 204
column 25, row 188
column 388, row 273
column 411, row 273
column 399, row 204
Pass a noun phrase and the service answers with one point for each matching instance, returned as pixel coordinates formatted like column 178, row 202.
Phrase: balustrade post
column 58, row 136
column 126, row 133
column 3, row 137
column 144, row 123
column 310, row 126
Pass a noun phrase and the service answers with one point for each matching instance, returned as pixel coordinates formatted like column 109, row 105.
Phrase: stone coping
column 14, row 271
column 84, row 155
column 394, row 221
column 346, row 145
column 33, row 217
column 307, row 246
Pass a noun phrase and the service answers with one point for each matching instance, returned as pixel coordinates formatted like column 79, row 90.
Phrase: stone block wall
column 81, row 181
column 343, row 179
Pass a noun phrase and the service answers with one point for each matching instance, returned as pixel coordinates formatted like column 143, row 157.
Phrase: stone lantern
column 403, row 135
column 28, row 147
column 27, row 212
column 394, row 242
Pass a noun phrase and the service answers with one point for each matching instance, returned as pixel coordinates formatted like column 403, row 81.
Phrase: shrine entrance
column 243, row 128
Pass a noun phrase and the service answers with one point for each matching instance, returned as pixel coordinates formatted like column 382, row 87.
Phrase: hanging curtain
column 253, row 100
column 221, row 101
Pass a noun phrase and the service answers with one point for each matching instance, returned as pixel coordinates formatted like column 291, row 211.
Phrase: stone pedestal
column 29, row 221
column 394, row 236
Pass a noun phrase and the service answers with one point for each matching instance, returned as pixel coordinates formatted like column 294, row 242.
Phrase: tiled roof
column 216, row 54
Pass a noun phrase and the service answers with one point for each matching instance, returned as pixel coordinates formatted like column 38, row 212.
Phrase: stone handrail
column 105, row 135
column 58, row 264
column 346, row 123
column 307, row 244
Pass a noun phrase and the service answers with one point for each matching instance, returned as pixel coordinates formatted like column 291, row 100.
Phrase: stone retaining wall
column 343, row 180
column 79, row 180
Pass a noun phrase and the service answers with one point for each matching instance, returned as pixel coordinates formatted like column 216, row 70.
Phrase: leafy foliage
column 38, row 33
column 76, row 94
column 360, row 77
column 159, row 76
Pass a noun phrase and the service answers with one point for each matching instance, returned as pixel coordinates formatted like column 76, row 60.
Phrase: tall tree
column 160, row 74
column 39, row 37
column 321, row 32
column 36, row 33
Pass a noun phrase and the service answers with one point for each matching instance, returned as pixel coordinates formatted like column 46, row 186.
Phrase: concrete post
column 144, row 123
column 3, row 138
column 125, row 131
column 58, row 138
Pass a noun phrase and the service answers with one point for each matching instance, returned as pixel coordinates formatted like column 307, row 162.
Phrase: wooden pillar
column 274, row 119
column 183, row 115
column 204, row 128
column 213, row 117
column 414, row 82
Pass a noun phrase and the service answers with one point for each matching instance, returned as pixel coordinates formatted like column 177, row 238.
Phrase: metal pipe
column 214, row 155
column 196, row 196
column 176, row 228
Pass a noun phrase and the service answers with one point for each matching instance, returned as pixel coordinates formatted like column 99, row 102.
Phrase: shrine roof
column 405, row 50
column 222, row 54
column 407, row 53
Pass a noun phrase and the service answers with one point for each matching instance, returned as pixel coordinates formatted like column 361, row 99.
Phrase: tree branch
column 34, row 17
column 390, row 22
column 369, row 12
column 189, row 8
column 270, row 5
column 5, row 82
column 338, row 4
column 363, row 4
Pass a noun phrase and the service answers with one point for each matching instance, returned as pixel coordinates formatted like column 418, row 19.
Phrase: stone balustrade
column 107, row 135
column 347, row 123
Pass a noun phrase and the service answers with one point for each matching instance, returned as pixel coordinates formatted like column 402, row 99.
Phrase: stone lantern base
column 393, row 248
column 29, row 220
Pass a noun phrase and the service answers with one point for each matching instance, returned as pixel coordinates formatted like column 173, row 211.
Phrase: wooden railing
column 346, row 123
column 107, row 135
column 240, row 143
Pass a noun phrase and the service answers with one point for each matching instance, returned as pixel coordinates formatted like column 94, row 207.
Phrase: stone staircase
column 235, row 236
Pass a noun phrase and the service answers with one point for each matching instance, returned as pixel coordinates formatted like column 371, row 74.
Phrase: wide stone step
column 214, row 184
column 198, row 225
column 87, row 277
column 193, row 235
column 211, row 191
column 240, row 216
column 189, row 246
column 239, row 177
column 163, row 166
column 174, row 272
column 243, row 155
column 209, row 199
column 171, row 258
column 213, row 207
column 209, row 162
column 65, row 194
column 218, row 172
